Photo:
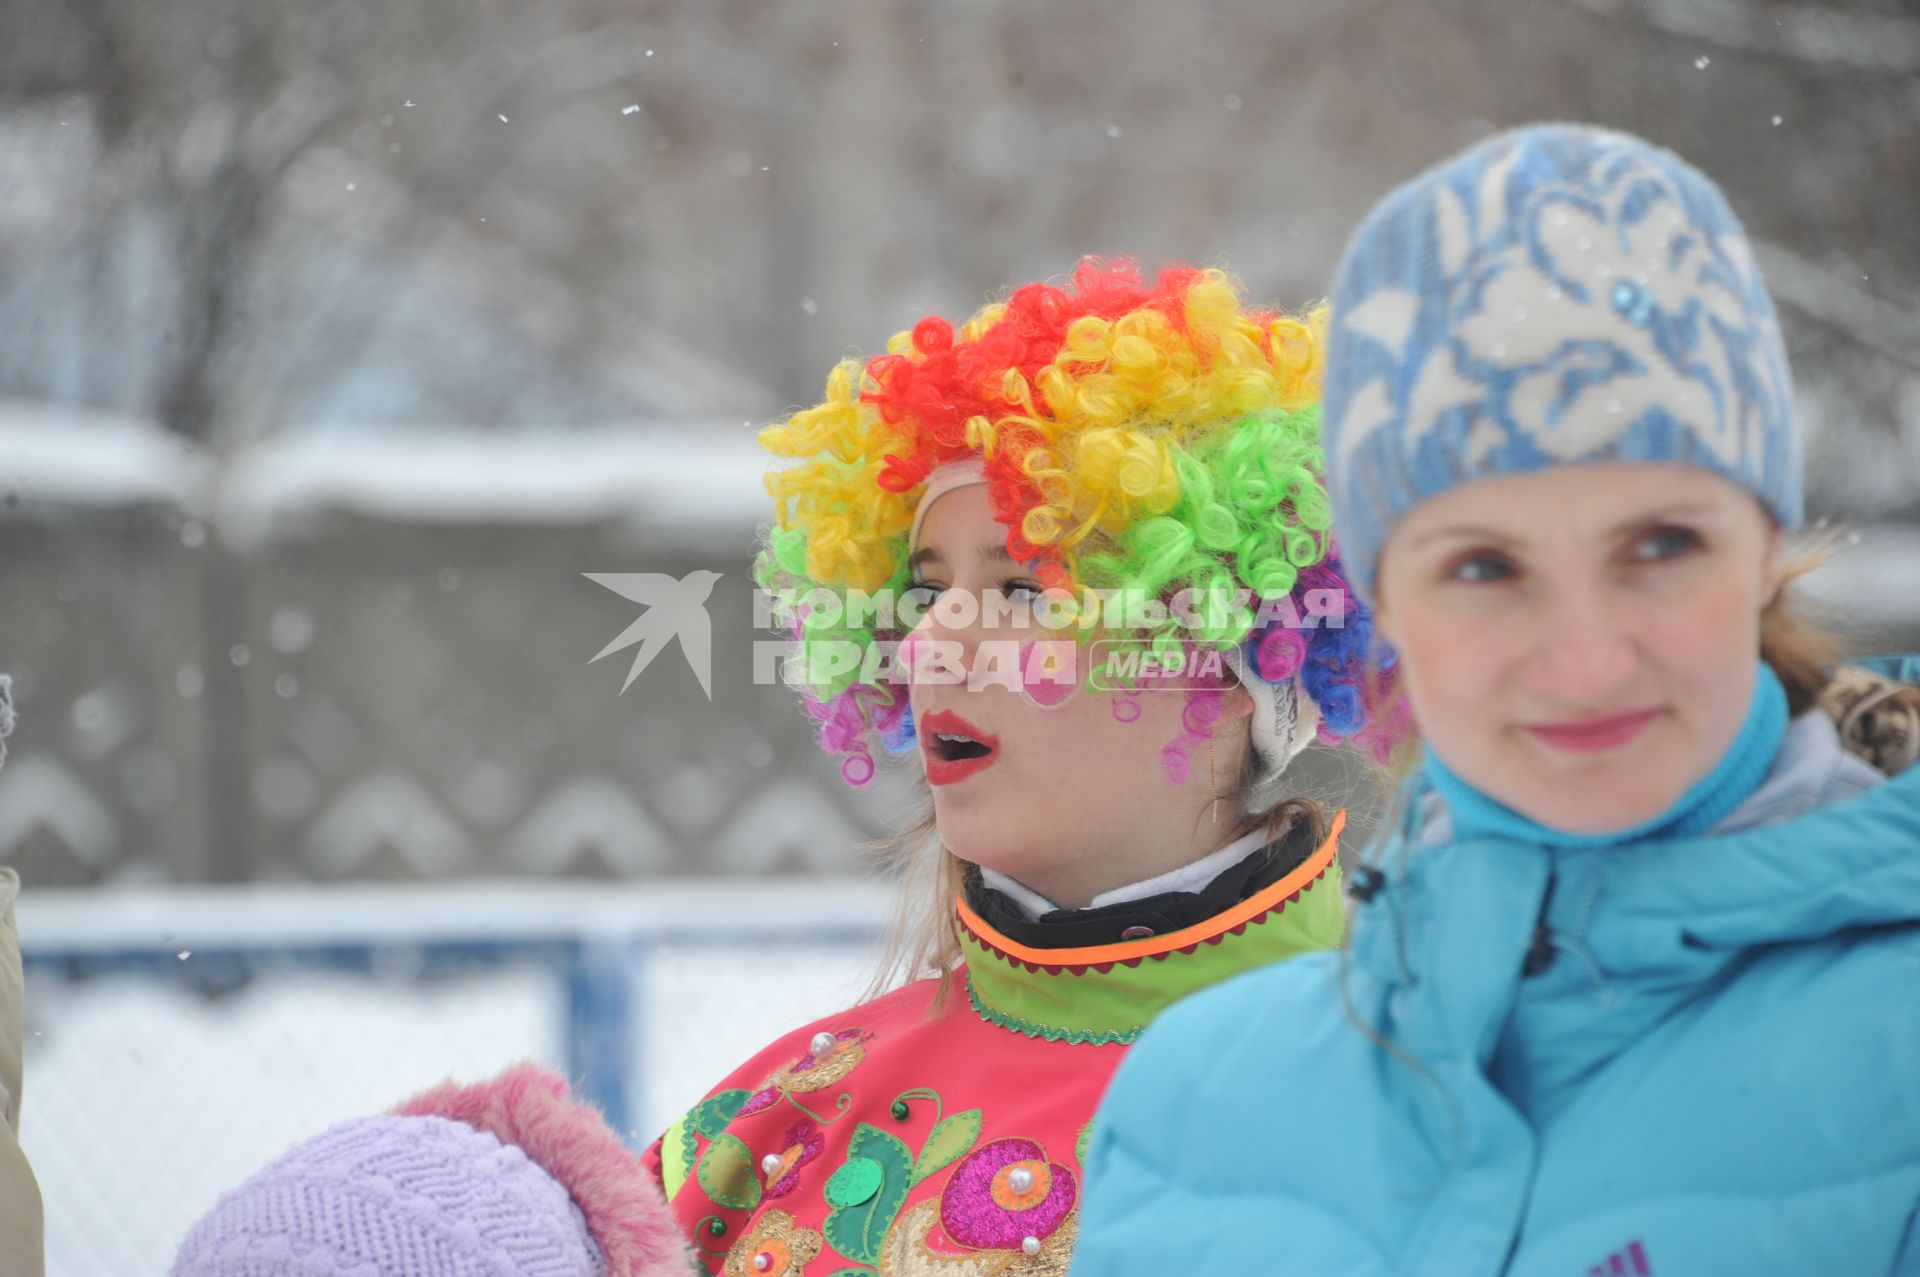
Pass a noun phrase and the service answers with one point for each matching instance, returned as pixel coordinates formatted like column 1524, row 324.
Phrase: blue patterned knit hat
column 1556, row 294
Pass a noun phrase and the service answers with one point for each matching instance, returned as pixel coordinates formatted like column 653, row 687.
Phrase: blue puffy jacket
column 1718, row 1072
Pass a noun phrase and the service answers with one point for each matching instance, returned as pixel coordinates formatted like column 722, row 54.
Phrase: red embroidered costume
column 907, row 1141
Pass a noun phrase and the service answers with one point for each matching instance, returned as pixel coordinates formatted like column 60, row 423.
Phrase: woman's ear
column 1236, row 702
column 1774, row 566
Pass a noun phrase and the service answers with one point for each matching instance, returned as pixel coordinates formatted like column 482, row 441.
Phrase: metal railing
column 180, row 1039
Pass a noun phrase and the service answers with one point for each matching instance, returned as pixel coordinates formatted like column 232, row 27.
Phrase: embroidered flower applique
column 776, row 1246
column 1006, row 1211
column 801, row 1144
column 828, row 1059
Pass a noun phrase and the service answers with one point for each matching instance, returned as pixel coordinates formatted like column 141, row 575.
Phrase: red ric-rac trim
column 1235, row 920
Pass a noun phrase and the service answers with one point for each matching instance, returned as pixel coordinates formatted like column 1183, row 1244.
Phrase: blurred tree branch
column 1822, row 295
column 1824, row 39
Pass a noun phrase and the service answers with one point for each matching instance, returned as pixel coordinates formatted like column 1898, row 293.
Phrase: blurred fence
column 369, row 656
column 179, row 1039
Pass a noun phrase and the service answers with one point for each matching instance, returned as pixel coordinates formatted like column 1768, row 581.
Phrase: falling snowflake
column 291, row 630
column 504, row 120
column 1702, row 62
column 630, row 109
column 1113, row 130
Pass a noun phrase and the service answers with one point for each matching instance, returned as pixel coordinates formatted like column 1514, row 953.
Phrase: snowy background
column 180, row 1039
column 337, row 342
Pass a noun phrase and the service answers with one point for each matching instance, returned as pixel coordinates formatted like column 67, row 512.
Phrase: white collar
column 1191, row 876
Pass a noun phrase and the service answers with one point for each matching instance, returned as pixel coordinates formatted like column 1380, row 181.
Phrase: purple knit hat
column 509, row 1178
column 386, row 1196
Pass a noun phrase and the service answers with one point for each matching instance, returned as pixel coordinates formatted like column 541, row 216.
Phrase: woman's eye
column 1026, row 591
column 1665, row 543
column 1482, row 568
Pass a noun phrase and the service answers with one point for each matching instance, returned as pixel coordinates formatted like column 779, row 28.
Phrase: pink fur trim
column 529, row 1107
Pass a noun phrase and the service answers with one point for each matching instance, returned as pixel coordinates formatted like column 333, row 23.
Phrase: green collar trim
column 1014, row 1024
column 1108, row 1003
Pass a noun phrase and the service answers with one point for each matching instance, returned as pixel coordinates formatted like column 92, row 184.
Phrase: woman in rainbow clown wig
column 1101, row 838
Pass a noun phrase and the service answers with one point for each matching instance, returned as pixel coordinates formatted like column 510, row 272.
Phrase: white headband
column 1285, row 719
column 946, row 476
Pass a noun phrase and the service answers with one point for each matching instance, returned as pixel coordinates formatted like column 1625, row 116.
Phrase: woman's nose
column 1583, row 648
column 941, row 643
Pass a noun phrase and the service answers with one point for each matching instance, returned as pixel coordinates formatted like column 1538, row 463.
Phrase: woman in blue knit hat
column 1627, row 989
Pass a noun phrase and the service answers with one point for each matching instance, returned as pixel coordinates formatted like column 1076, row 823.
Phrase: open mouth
column 954, row 748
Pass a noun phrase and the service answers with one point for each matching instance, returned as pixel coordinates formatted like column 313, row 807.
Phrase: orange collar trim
column 1130, row 951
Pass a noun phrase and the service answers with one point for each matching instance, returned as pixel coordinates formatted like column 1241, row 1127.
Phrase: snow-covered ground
column 146, row 1097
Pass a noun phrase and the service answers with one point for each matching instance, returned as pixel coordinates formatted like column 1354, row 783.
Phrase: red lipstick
column 953, row 748
column 1593, row 735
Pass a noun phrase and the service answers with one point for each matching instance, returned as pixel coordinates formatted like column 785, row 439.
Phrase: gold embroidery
column 787, row 1247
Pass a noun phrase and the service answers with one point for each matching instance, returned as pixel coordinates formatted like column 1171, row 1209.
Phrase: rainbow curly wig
column 1148, row 436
